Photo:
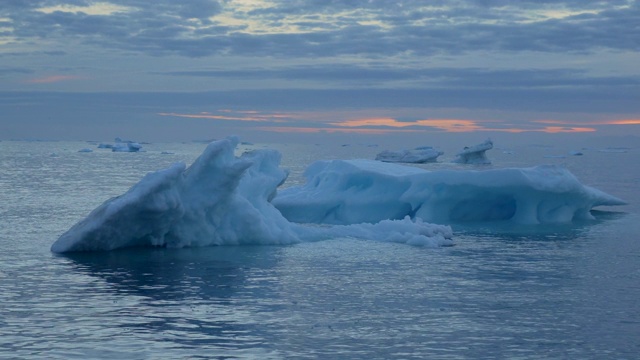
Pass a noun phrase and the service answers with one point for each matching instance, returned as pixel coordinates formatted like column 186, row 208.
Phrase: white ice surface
column 220, row 200
column 419, row 155
column 475, row 154
column 355, row 191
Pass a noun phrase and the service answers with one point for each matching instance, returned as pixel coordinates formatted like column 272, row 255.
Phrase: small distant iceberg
column 619, row 150
column 126, row 147
column 418, row 155
column 475, row 154
column 121, row 146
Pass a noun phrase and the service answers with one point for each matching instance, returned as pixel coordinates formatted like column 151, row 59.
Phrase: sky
column 294, row 69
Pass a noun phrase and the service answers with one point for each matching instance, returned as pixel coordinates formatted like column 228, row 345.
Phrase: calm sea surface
column 562, row 292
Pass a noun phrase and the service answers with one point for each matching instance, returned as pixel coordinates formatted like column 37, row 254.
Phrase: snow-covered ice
column 220, row 199
column 355, row 191
column 475, row 154
column 417, row 155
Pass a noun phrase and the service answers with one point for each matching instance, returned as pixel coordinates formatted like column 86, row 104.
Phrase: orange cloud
column 598, row 122
column 53, row 79
column 450, row 125
column 623, row 122
column 255, row 116
column 561, row 129
column 382, row 125
column 317, row 130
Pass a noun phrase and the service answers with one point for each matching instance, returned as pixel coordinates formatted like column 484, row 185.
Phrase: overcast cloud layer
column 512, row 63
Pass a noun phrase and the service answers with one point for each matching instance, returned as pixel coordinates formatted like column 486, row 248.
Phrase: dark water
column 560, row 292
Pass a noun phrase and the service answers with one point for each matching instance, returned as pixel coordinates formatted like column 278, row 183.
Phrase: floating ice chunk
column 121, row 146
column 406, row 231
column 475, row 154
column 219, row 200
column 417, row 155
column 355, row 191
column 126, row 147
column 619, row 150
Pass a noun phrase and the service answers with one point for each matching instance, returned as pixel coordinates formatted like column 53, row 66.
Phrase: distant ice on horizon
column 121, row 146
column 417, row 156
column 126, row 147
column 475, row 154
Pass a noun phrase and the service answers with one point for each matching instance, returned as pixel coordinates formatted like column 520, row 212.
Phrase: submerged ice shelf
column 222, row 199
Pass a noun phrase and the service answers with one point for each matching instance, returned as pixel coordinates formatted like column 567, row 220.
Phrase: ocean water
column 558, row 292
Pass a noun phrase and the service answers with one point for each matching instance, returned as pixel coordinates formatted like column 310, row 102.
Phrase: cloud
column 53, row 79
column 14, row 70
column 312, row 29
column 312, row 122
column 592, row 123
column 436, row 77
column 230, row 115
column 449, row 125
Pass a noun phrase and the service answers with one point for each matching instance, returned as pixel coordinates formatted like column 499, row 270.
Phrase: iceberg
column 475, row 154
column 221, row 199
column 121, row 146
column 126, row 147
column 417, row 156
column 356, row 191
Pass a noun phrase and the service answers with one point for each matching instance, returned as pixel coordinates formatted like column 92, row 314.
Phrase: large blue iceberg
column 355, row 191
column 222, row 199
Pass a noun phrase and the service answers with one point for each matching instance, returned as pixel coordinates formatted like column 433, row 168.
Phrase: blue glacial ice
column 221, row 199
column 356, row 191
